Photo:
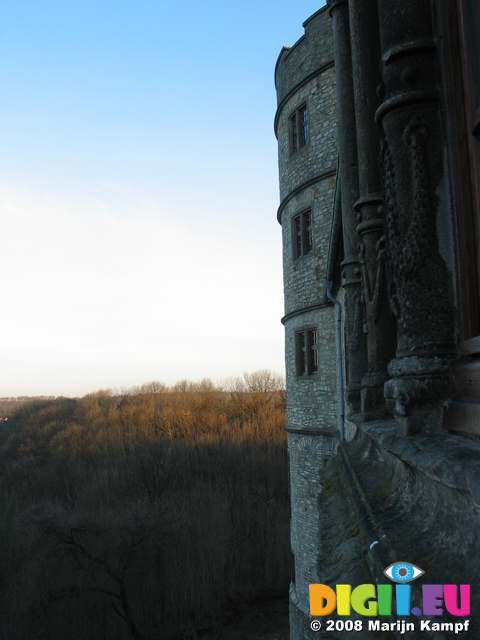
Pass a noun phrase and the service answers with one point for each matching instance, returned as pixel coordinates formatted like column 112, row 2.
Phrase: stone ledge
column 444, row 457
column 376, row 508
column 310, row 431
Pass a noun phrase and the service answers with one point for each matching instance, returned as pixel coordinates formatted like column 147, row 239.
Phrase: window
column 298, row 129
column 307, row 352
column 302, row 234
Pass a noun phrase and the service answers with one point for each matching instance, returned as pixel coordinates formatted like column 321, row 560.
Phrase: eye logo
column 377, row 599
column 403, row 572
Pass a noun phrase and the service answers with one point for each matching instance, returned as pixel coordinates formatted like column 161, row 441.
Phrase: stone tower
column 305, row 126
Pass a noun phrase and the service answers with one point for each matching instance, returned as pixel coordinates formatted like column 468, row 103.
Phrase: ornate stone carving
column 420, row 288
column 373, row 295
column 355, row 339
column 391, row 220
column 420, row 239
column 420, row 284
column 411, row 73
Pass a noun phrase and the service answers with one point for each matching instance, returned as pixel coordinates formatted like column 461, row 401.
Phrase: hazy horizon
column 138, row 192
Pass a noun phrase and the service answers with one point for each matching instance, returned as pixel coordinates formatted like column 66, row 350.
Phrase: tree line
column 142, row 514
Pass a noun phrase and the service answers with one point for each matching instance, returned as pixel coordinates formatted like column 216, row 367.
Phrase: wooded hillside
column 142, row 514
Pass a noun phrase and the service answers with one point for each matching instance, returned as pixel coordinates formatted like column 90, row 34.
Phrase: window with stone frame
column 298, row 129
column 302, row 227
column 307, row 351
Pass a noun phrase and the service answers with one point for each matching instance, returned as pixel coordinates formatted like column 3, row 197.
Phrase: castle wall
column 320, row 155
column 359, row 505
column 309, row 54
column 305, row 76
column 304, row 278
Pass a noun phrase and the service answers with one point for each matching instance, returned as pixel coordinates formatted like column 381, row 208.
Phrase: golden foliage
column 148, row 509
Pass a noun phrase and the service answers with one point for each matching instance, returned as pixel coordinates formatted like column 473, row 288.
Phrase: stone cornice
column 298, row 312
column 298, row 86
column 322, row 176
column 305, row 431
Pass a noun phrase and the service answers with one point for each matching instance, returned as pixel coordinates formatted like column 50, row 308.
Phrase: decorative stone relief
column 373, row 295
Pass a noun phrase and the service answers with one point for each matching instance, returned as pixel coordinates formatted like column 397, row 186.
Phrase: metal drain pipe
column 328, row 287
column 332, row 254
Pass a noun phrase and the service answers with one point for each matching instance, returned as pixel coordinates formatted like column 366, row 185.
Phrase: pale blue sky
column 138, row 191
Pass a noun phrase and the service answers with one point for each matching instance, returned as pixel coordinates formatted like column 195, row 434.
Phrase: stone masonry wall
column 320, row 154
column 312, row 402
column 305, row 75
column 308, row 455
column 313, row 50
column 304, row 278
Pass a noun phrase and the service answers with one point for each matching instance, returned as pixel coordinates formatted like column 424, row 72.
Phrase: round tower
column 305, row 126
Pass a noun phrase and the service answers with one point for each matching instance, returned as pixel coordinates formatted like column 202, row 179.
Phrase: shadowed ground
column 265, row 618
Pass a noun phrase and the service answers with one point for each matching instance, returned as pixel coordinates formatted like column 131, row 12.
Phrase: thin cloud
column 121, row 282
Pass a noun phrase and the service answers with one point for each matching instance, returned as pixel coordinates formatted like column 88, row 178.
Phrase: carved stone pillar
column 355, row 344
column 420, row 282
column 380, row 322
